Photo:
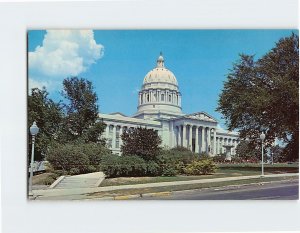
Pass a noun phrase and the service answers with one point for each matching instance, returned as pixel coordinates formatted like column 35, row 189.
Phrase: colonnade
column 160, row 96
column 203, row 139
column 196, row 138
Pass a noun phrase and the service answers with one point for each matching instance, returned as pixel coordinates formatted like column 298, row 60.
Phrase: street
column 271, row 191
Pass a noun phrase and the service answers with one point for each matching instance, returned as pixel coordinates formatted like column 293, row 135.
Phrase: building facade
column 159, row 108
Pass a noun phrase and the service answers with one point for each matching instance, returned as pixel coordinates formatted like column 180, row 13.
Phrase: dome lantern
column 160, row 61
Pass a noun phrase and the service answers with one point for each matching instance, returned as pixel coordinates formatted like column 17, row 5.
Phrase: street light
column 33, row 131
column 262, row 137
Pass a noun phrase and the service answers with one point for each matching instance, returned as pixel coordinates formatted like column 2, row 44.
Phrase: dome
column 160, row 74
column 159, row 94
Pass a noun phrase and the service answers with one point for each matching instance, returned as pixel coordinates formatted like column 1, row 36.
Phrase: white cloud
column 63, row 53
column 36, row 84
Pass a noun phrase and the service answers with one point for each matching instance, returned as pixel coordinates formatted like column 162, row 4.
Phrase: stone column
column 208, row 140
column 179, row 135
column 114, row 137
column 120, row 136
column 191, row 138
column 203, row 140
column 197, row 140
column 215, row 141
column 184, row 136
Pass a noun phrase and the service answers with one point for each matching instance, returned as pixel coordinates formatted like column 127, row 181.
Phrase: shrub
column 116, row 166
column 200, row 167
column 153, row 169
column 75, row 158
column 219, row 159
column 173, row 162
column 95, row 152
column 49, row 179
column 142, row 142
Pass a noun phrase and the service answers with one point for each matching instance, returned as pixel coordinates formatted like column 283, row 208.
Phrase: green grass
column 185, row 187
column 223, row 171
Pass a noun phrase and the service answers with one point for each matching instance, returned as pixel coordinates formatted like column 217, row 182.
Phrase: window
column 162, row 97
column 148, row 97
column 169, row 98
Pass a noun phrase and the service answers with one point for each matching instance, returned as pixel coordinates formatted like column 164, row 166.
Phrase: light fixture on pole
column 262, row 137
column 33, row 131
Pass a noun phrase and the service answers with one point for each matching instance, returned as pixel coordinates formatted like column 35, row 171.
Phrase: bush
column 116, row 166
column 201, row 167
column 153, row 169
column 219, row 159
column 175, row 160
column 142, row 142
column 76, row 158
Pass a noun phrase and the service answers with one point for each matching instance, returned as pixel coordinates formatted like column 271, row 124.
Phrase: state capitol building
column 159, row 108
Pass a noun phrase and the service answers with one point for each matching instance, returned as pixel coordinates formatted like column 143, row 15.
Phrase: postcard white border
column 19, row 215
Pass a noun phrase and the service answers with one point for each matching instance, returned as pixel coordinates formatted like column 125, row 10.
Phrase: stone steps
column 79, row 181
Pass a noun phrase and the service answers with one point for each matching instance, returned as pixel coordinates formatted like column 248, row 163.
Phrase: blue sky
column 116, row 62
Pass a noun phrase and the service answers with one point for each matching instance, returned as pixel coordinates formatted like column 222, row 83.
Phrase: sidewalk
column 82, row 191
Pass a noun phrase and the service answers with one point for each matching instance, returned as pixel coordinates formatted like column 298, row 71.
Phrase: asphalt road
column 271, row 191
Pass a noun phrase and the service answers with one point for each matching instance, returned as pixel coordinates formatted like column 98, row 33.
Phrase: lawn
column 140, row 191
column 224, row 170
column 44, row 178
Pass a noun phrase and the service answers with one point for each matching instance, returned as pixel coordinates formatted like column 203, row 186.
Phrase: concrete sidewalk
column 81, row 191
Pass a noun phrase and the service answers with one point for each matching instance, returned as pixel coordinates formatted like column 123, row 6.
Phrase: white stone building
column 159, row 108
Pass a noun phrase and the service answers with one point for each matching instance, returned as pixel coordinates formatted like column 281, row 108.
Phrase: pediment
column 118, row 114
column 203, row 116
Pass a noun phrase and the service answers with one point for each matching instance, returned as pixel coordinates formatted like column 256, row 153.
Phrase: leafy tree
column 278, row 155
column 142, row 142
column 81, row 121
column 263, row 95
column 48, row 116
column 248, row 151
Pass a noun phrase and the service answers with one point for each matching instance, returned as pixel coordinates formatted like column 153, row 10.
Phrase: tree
column 81, row 109
column 48, row 116
column 263, row 95
column 248, row 151
column 141, row 142
column 277, row 153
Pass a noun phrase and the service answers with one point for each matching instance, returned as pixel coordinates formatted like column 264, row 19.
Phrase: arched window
column 169, row 98
column 162, row 97
column 148, row 97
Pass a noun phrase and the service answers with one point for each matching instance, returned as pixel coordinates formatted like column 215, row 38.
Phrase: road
column 271, row 191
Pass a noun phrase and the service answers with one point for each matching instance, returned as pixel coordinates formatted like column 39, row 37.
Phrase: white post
column 31, row 165
column 262, row 157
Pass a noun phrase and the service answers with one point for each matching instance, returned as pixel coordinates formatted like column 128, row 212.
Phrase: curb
column 55, row 183
column 158, row 194
column 127, row 197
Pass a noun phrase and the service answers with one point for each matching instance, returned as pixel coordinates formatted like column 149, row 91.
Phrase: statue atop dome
column 160, row 61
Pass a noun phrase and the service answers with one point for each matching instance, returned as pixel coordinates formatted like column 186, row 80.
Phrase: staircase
column 89, row 180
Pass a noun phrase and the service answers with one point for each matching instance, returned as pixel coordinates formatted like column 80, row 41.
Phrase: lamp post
column 262, row 137
column 33, row 131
